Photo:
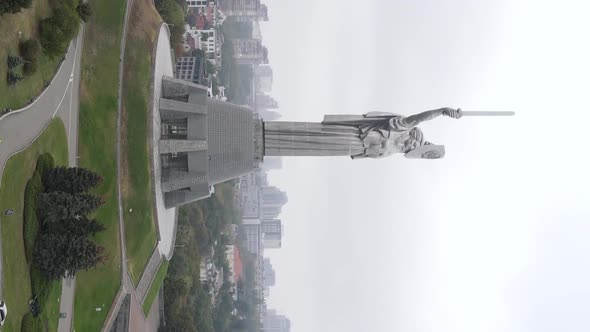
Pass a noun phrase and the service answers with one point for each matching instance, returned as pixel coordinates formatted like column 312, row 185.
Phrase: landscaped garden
column 34, row 35
column 20, row 279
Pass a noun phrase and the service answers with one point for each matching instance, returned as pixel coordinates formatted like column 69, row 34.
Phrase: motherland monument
column 206, row 141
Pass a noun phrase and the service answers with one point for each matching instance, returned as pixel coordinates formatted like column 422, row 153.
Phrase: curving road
column 20, row 128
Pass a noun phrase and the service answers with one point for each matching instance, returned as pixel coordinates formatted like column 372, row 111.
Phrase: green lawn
column 155, row 286
column 17, row 281
column 10, row 24
column 97, row 150
column 140, row 229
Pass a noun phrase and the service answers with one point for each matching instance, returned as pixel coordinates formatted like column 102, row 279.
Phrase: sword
column 486, row 113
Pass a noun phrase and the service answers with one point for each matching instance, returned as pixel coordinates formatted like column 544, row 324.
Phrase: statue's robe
column 357, row 136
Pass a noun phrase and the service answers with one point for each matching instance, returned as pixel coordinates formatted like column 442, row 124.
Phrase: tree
column 13, row 78
column 30, row 49
column 70, row 180
column 211, row 68
column 57, row 205
column 14, row 6
column 84, row 11
column 173, row 14
column 57, row 255
column 13, row 61
column 81, row 226
column 58, row 30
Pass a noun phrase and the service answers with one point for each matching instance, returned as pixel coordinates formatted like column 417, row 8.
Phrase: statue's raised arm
column 415, row 120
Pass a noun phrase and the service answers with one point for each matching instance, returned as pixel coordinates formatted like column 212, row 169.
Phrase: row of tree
column 64, row 242
column 172, row 12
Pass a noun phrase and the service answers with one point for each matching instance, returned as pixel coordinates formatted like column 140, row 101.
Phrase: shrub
column 30, row 223
column 14, row 6
column 30, row 68
column 44, row 163
column 30, row 49
column 13, row 78
column 58, row 30
column 84, row 11
column 13, row 61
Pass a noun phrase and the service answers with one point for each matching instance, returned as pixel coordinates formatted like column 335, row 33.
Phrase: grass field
column 97, row 150
column 155, row 286
column 26, row 22
column 16, row 278
column 140, row 229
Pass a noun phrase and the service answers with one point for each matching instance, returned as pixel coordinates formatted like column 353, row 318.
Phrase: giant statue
column 372, row 135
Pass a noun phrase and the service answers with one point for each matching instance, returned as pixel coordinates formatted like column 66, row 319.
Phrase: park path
column 68, row 286
column 20, row 128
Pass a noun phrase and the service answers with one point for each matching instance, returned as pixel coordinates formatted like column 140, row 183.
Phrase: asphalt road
column 20, row 128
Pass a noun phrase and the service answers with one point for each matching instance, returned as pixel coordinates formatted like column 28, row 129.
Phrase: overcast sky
column 494, row 237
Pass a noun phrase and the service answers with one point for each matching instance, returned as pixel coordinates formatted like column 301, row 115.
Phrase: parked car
column 2, row 312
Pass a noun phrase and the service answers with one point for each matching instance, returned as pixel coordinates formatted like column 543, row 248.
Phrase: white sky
column 494, row 237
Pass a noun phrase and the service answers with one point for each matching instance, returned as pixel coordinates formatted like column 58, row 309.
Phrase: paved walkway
column 18, row 129
column 126, row 284
column 166, row 217
column 148, row 275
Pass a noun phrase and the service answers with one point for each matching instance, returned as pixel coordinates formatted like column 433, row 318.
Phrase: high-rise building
column 273, row 322
column 244, row 10
column 272, row 231
column 265, row 101
column 273, row 200
column 253, row 238
column 263, row 78
column 268, row 115
column 249, row 196
column 249, row 52
column 269, row 275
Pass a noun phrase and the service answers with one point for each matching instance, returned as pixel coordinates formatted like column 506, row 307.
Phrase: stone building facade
column 203, row 141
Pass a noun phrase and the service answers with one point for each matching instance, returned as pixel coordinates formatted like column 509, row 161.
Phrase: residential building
column 265, row 101
column 269, row 274
column 232, row 254
column 253, row 238
column 273, row 322
column 197, row 3
column 263, row 78
column 192, row 69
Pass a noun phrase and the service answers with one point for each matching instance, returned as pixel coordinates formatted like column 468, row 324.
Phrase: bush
column 30, row 68
column 31, row 324
column 30, row 49
column 84, row 11
column 13, row 61
column 14, row 6
column 45, row 162
column 13, row 78
column 30, row 223
column 41, row 287
column 58, row 30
